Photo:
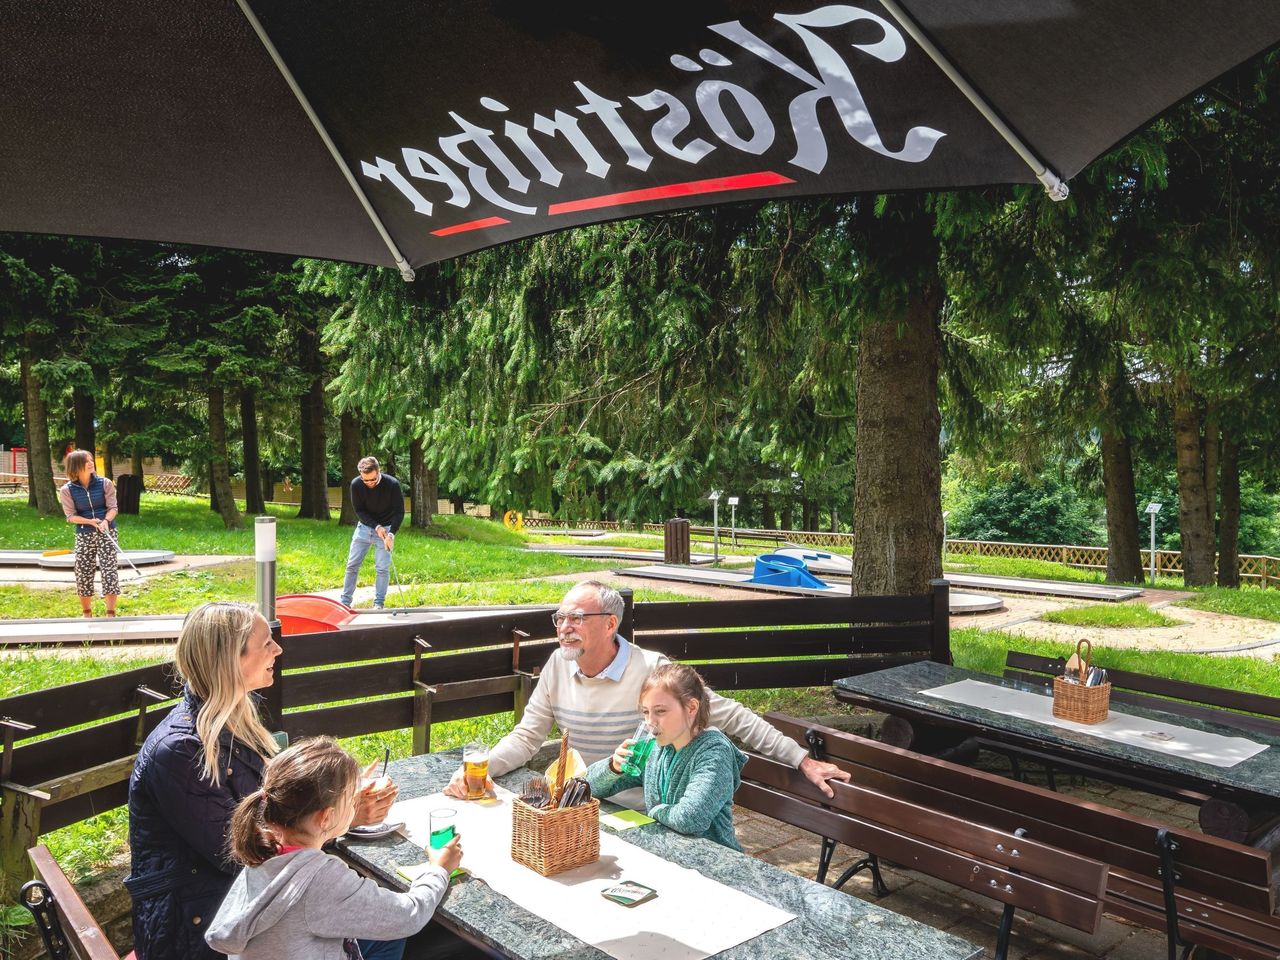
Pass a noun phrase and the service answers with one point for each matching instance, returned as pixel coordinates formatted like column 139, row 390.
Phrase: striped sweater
column 599, row 713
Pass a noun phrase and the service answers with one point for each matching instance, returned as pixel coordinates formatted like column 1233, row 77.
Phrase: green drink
column 640, row 750
column 443, row 827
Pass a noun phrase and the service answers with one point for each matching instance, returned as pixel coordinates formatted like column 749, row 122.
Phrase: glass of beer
column 444, row 824
column 641, row 747
column 475, row 769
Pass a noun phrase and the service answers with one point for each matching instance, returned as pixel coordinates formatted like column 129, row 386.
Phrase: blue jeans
column 381, row 949
column 361, row 541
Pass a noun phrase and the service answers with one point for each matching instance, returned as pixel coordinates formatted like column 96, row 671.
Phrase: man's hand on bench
column 818, row 772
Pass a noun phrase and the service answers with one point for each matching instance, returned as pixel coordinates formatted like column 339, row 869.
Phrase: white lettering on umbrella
column 835, row 83
column 830, row 80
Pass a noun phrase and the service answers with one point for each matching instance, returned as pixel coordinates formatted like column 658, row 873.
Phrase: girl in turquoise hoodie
column 693, row 771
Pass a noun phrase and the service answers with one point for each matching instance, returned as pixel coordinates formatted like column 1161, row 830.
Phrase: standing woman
column 89, row 502
column 202, row 759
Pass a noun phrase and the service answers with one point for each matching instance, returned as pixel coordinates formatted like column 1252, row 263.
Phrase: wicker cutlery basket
column 1075, row 701
column 553, row 841
column 559, row 839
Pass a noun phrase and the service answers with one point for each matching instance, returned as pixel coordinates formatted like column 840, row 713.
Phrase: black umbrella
column 402, row 132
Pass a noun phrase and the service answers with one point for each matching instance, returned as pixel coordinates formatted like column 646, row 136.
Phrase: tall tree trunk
column 82, row 404
column 268, row 483
column 219, row 470
column 315, row 473
column 1124, row 557
column 108, row 465
column 137, row 461
column 767, row 519
column 213, row 489
column 254, row 503
column 1229, row 526
column 26, row 426
column 39, row 460
column 349, row 454
column 897, row 493
column 835, row 519
column 1194, row 519
column 788, row 514
column 422, row 487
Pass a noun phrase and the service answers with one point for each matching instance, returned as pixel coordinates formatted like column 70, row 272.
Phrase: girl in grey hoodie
column 293, row 900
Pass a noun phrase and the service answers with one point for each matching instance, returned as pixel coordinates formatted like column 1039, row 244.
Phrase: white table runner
column 1210, row 748
column 692, row 917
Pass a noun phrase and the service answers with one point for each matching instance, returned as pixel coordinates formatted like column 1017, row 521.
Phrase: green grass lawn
column 1246, row 602
column 984, row 650
column 1110, row 615
column 311, row 555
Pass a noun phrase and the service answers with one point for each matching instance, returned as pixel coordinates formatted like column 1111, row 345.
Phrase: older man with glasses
column 592, row 690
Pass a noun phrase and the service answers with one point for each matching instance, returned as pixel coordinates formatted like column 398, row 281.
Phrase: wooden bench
column 65, row 925
column 1199, row 890
column 1003, row 864
column 1247, row 711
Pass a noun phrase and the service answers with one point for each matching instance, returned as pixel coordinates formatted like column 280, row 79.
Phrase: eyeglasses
column 574, row 619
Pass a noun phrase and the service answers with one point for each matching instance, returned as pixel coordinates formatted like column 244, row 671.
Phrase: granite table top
column 828, row 924
column 900, row 687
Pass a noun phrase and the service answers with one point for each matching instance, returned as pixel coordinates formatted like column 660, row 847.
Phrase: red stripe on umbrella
column 745, row 181
column 470, row 225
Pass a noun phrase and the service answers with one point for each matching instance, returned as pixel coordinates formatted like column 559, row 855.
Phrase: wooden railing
column 68, row 751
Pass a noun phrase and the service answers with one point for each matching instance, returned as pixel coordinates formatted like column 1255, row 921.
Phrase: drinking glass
column 443, row 822
column 633, row 766
column 475, row 768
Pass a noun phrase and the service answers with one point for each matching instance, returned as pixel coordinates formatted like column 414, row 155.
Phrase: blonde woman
column 89, row 504
column 204, row 757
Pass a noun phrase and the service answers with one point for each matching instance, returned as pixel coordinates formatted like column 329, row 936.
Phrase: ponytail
column 251, row 840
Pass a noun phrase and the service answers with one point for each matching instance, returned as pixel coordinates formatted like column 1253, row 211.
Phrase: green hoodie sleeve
column 605, row 783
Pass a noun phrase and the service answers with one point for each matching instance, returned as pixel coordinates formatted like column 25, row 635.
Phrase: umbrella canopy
column 404, row 132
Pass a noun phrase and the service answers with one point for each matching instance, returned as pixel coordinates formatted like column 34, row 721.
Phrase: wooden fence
column 68, row 751
column 1258, row 570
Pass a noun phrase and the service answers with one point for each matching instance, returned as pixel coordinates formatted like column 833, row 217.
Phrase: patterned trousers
column 96, row 550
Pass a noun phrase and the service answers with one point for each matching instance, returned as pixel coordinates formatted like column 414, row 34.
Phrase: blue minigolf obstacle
column 781, row 571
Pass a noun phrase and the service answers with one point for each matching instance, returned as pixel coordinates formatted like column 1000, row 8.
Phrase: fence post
column 522, row 693
column 627, row 626
column 940, row 622
column 19, row 832
column 423, row 698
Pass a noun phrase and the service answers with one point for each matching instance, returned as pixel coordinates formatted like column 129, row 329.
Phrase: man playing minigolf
column 379, row 506
column 591, row 688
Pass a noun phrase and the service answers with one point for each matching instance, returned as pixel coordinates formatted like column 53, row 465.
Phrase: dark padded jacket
column 178, row 827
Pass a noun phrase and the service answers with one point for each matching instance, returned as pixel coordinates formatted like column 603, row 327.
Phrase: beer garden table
column 1253, row 783
column 828, row 924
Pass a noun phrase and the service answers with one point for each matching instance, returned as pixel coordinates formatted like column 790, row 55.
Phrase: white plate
column 374, row 831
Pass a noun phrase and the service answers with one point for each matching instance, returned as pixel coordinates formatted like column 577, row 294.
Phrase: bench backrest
column 1221, row 868
column 1176, row 696
column 83, row 937
column 1017, row 871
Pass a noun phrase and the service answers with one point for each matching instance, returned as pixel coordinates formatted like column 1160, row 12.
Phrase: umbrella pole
column 1053, row 184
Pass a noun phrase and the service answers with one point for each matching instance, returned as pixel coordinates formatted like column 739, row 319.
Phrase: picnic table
column 1253, row 782
column 828, row 924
